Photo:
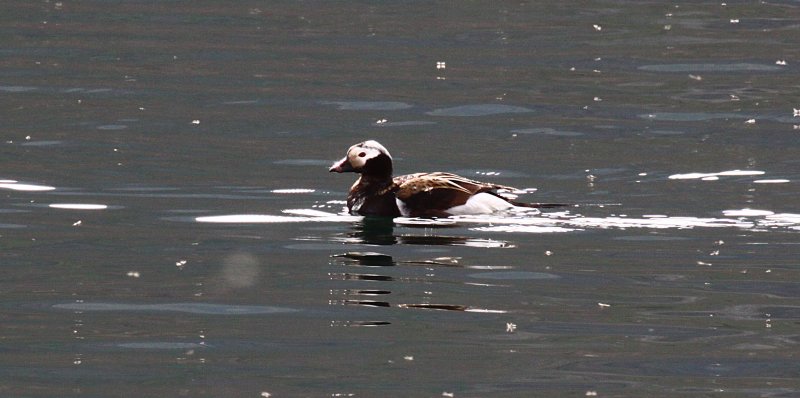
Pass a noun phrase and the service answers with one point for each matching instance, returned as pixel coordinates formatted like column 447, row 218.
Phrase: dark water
column 185, row 130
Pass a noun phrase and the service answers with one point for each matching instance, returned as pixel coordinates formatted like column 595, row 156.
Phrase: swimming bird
column 426, row 195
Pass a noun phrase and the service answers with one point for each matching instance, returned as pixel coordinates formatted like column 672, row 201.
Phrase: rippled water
column 169, row 228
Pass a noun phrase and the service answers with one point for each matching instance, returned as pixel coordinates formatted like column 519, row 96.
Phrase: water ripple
column 191, row 308
column 533, row 222
column 368, row 105
column 478, row 110
column 710, row 68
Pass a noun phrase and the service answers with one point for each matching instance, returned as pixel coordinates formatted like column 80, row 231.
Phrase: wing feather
column 434, row 193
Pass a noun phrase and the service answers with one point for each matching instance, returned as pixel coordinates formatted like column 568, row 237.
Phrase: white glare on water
column 15, row 186
column 293, row 190
column 747, row 213
column 691, row 176
column 78, row 206
column 550, row 222
column 772, row 181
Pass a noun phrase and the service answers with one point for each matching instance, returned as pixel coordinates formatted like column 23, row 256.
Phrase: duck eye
column 362, row 154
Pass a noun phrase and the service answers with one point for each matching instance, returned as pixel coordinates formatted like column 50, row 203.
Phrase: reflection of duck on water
column 378, row 297
column 380, row 231
column 377, row 193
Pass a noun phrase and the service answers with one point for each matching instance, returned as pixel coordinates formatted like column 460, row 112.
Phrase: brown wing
column 431, row 194
column 412, row 183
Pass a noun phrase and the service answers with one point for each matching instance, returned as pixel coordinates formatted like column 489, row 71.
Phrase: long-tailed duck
column 438, row 194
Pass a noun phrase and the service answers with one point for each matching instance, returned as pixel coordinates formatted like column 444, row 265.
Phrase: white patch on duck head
column 359, row 154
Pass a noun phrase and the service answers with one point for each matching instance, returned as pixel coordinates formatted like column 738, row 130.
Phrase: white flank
column 482, row 203
column 402, row 207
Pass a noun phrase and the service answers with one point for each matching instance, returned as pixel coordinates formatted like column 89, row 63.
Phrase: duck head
column 368, row 158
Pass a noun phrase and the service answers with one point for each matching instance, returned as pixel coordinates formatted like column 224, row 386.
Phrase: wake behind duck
column 440, row 199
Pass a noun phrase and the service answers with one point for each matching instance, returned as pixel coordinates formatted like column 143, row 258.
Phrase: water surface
column 169, row 227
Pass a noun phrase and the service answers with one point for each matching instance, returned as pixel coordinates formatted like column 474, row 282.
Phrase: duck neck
column 372, row 195
column 376, row 180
